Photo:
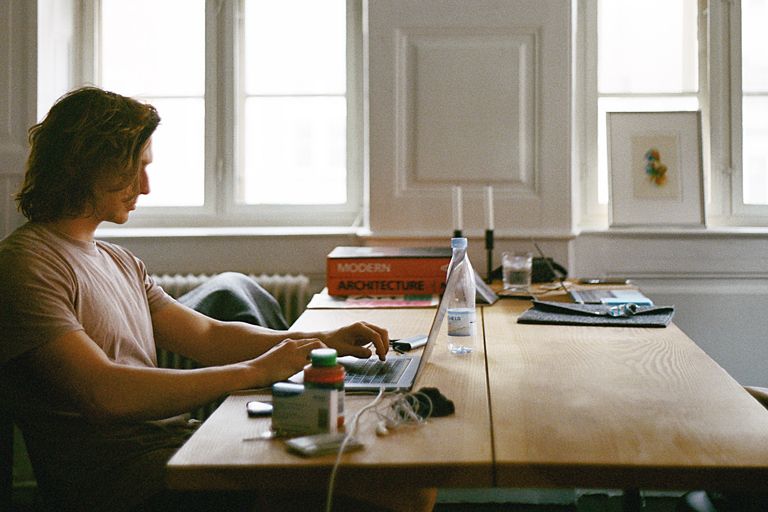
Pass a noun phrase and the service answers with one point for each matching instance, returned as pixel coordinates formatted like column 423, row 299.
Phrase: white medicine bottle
column 461, row 302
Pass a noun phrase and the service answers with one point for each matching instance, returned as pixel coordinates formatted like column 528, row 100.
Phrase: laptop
column 610, row 297
column 398, row 372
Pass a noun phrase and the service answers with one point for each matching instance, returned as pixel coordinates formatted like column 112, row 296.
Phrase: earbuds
column 401, row 409
column 381, row 428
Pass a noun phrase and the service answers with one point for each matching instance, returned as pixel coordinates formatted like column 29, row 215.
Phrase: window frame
column 720, row 98
column 223, row 114
column 741, row 213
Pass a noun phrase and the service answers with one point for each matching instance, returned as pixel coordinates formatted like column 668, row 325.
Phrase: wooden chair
column 701, row 501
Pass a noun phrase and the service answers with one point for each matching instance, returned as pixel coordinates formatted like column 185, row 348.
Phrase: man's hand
column 354, row 339
column 285, row 359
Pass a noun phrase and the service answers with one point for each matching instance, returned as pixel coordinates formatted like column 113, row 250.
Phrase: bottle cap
column 323, row 357
column 458, row 243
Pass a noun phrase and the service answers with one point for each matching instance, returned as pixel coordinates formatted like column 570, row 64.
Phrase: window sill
column 228, row 232
column 678, row 232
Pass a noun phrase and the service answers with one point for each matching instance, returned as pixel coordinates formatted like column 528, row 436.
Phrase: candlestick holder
column 489, row 251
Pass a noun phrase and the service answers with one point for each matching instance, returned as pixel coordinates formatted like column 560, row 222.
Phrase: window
column 259, row 101
column 653, row 55
column 646, row 61
column 754, row 101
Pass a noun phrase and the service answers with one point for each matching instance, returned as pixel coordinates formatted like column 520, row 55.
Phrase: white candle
column 457, row 214
column 489, row 207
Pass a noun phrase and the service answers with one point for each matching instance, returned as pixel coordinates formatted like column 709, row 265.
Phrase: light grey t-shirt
column 56, row 284
column 51, row 284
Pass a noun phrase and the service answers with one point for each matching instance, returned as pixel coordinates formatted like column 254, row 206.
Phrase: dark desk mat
column 564, row 313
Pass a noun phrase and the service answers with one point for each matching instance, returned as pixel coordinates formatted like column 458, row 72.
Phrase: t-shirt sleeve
column 156, row 296
column 36, row 303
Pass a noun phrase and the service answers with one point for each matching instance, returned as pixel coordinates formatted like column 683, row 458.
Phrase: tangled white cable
column 403, row 408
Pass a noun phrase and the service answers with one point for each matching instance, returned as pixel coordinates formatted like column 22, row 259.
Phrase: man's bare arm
column 76, row 369
column 211, row 342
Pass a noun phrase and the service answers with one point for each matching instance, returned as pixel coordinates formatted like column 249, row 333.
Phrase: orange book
column 387, row 270
column 386, row 286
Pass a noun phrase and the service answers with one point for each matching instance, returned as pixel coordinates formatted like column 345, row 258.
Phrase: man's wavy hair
column 91, row 140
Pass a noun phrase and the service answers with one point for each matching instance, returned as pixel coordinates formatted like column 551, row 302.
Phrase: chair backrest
column 6, row 458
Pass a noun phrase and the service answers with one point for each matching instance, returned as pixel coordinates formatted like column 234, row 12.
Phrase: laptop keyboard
column 373, row 371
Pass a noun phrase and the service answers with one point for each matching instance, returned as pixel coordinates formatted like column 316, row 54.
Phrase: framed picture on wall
column 655, row 169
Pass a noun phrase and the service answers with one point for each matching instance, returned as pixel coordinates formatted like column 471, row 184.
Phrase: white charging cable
column 352, row 430
column 405, row 408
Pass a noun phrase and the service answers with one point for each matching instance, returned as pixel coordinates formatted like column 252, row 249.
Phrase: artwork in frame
column 655, row 169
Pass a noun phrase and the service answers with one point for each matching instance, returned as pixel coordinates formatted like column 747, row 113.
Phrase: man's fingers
column 306, row 345
column 378, row 336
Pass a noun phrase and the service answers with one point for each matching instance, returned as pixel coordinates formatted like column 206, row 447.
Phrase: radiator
column 290, row 291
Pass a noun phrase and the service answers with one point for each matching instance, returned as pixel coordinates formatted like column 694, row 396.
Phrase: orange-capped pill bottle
column 325, row 372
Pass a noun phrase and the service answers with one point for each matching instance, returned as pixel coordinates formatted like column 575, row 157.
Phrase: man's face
column 116, row 205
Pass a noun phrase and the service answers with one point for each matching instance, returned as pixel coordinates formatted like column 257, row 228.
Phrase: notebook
column 611, row 297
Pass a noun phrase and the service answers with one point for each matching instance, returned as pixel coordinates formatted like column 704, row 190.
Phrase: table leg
column 632, row 501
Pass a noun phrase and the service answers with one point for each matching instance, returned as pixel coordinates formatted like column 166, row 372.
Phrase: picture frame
column 655, row 169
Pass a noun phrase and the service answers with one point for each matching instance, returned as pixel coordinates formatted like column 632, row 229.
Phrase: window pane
column 754, row 37
column 295, row 151
column 295, row 47
column 176, row 175
column 755, row 150
column 647, row 46
column 153, row 48
column 754, row 69
column 155, row 51
column 295, row 134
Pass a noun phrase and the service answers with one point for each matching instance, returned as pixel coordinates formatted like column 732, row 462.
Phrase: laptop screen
column 434, row 329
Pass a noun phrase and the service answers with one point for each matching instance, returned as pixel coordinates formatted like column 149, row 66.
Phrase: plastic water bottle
column 461, row 303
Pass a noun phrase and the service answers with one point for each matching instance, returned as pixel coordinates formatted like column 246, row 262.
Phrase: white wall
column 717, row 279
column 18, row 85
column 472, row 97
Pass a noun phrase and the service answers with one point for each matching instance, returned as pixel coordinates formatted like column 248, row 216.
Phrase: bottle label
column 327, row 378
column 461, row 321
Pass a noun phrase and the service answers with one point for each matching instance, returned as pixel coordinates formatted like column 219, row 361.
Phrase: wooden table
column 453, row 451
column 537, row 406
column 617, row 407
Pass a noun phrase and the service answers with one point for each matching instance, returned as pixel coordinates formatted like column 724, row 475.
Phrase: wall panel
column 450, row 133
column 469, row 97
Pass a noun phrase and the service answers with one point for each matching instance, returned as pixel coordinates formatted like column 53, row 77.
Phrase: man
column 80, row 319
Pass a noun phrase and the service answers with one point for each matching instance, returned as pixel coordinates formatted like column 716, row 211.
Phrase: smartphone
column 257, row 409
column 322, row 444
column 602, row 280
